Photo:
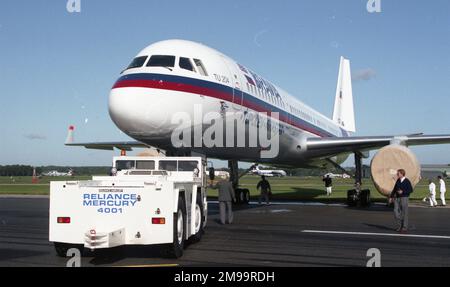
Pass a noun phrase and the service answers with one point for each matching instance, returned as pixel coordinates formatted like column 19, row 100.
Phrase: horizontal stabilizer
column 122, row 145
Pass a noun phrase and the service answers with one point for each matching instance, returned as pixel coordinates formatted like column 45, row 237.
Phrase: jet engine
column 387, row 161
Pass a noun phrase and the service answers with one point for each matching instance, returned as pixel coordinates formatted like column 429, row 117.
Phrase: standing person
column 442, row 189
column 432, row 196
column 328, row 184
column 226, row 195
column 400, row 195
column 265, row 189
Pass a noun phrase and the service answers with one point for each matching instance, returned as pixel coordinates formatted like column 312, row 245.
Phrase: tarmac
column 281, row 234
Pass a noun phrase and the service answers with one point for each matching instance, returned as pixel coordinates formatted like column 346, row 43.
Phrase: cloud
column 257, row 36
column 33, row 136
column 364, row 75
column 335, row 44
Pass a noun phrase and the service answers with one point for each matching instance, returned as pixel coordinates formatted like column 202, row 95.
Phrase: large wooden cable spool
column 149, row 152
column 387, row 161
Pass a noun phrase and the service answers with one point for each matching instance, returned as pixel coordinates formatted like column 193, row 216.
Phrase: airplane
column 335, row 175
column 57, row 173
column 268, row 172
column 173, row 76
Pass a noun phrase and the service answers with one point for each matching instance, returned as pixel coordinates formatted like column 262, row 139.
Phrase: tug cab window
column 168, row 165
column 186, row 64
column 161, row 61
column 200, row 67
column 124, row 164
column 137, row 62
column 145, row 164
column 184, row 165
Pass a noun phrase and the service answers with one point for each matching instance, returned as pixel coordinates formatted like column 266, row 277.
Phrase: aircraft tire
column 364, row 198
column 351, row 197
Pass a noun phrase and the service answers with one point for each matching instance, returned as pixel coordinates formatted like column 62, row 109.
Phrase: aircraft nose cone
column 135, row 111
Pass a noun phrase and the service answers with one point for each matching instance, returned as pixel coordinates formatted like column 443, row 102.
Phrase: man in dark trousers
column 400, row 196
column 264, row 187
column 226, row 196
column 328, row 184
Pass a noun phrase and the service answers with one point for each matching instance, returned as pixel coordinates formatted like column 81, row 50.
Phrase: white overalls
column 432, row 196
column 442, row 190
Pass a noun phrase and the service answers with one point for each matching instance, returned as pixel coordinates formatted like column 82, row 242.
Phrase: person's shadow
column 388, row 228
column 382, row 227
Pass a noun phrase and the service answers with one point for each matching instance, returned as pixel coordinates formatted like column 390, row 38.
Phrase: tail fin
column 343, row 113
column 69, row 138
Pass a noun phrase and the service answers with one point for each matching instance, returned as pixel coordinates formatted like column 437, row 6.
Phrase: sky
column 57, row 68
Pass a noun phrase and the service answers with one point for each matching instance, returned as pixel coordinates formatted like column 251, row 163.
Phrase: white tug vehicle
column 144, row 201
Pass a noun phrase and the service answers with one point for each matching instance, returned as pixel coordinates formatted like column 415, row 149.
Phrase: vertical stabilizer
column 343, row 113
column 69, row 138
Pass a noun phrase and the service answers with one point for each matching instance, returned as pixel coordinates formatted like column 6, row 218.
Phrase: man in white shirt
column 442, row 189
column 432, row 196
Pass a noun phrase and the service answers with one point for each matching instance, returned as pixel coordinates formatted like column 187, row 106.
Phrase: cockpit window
column 137, row 62
column 161, row 61
column 185, row 63
column 201, row 69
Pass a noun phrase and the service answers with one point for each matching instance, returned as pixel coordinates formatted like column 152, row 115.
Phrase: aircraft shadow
column 303, row 194
column 213, row 207
column 110, row 256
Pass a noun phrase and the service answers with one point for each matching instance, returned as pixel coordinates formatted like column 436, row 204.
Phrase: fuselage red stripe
column 181, row 87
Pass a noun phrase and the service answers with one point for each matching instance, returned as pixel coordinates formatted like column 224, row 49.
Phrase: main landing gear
column 242, row 194
column 358, row 196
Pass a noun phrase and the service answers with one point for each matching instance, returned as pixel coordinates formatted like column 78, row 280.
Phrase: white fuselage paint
column 143, row 100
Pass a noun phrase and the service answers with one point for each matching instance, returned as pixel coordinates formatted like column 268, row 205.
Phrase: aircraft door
column 236, row 83
column 238, row 98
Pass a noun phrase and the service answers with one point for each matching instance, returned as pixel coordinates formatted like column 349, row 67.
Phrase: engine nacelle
column 387, row 161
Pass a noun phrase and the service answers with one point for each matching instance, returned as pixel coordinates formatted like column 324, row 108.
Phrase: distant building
column 433, row 170
column 427, row 170
column 366, row 171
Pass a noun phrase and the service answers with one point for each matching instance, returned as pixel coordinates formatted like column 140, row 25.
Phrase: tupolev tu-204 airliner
column 175, row 76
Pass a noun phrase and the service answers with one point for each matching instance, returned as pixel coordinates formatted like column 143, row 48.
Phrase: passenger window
column 187, row 165
column 137, row 62
column 169, row 165
column 161, row 61
column 145, row 164
column 185, row 63
column 200, row 68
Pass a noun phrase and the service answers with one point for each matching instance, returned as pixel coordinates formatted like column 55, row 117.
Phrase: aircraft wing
column 124, row 145
column 332, row 146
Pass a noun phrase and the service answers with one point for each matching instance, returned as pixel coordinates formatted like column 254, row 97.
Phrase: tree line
column 27, row 170
column 17, row 170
